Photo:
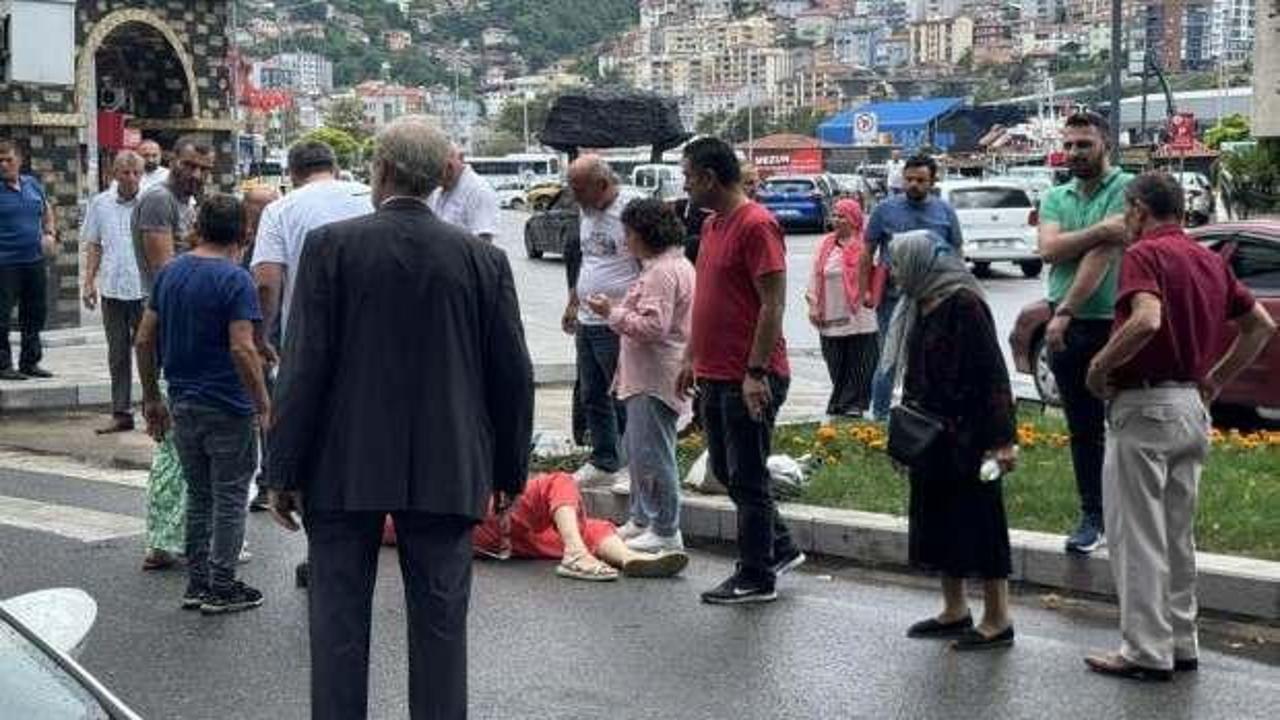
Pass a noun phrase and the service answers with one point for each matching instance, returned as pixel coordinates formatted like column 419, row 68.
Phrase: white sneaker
column 631, row 530
column 651, row 542
column 591, row 476
column 621, row 483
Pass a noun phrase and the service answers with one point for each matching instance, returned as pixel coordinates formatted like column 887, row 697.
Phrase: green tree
column 344, row 145
column 347, row 114
column 1232, row 128
column 499, row 142
column 511, row 119
column 801, row 121
column 1251, row 179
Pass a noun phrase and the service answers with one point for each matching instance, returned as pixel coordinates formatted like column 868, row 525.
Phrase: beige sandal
column 586, row 567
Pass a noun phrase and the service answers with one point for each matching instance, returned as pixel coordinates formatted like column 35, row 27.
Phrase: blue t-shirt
column 21, row 215
column 899, row 214
column 197, row 299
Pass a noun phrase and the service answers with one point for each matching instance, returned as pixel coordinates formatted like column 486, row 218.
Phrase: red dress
column 533, row 533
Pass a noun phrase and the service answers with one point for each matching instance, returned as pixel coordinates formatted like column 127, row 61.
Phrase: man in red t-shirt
column 738, row 358
column 1169, row 355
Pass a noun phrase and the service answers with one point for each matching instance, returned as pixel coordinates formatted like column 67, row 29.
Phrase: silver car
column 998, row 220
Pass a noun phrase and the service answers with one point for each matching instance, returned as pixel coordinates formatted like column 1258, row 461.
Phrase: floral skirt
column 166, row 501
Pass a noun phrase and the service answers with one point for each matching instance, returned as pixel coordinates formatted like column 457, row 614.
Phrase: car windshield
column 989, row 198
column 34, row 687
column 789, row 187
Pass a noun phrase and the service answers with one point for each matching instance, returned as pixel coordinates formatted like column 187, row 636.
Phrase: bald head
column 255, row 199
column 126, row 170
column 594, row 183
column 149, row 150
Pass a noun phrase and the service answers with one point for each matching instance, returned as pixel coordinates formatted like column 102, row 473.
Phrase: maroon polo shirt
column 1198, row 294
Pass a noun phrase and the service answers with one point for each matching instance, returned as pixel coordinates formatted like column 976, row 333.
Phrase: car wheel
column 1031, row 268
column 530, row 249
column 1046, row 383
column 982, row 269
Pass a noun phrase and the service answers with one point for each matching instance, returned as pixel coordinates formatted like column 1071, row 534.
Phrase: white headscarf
column 926, row 268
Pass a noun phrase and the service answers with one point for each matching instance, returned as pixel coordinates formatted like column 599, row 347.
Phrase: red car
column 1253, row 249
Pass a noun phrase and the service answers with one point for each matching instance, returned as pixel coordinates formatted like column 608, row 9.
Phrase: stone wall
column 50, row 120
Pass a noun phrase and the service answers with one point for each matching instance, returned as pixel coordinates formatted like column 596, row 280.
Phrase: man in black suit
column 406, row 388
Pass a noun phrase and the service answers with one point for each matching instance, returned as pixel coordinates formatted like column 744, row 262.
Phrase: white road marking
column 68, row 521
column 68, row 467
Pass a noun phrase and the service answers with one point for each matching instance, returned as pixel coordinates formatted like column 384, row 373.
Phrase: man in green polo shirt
column 1082, row 237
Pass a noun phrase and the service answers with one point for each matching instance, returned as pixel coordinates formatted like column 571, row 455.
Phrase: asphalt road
column 542, row 289
column 545, row 647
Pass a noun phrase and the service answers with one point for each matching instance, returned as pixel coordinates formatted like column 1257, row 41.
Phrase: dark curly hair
column 655, row 222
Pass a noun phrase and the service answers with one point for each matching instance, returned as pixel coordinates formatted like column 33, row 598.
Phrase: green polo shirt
column 1072, row 210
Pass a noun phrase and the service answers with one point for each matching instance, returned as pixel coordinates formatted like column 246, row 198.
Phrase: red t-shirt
column 1198, row 295
column 735, row 250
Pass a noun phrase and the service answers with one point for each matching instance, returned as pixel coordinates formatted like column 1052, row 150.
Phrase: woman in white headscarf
column 942, row 340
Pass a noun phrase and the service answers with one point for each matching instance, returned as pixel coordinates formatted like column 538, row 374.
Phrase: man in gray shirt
column 164, row 213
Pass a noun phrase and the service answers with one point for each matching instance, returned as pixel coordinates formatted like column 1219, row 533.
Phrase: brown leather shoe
column 1116, row 665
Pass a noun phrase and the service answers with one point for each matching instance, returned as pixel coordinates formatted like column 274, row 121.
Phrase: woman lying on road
column 548, row 522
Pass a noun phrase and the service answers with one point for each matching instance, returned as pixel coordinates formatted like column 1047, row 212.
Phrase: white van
column 664, row 182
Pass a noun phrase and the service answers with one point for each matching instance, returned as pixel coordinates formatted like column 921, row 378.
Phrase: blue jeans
column 598, row 348
column 882, row 382
column 218, row 455
column 651, row 448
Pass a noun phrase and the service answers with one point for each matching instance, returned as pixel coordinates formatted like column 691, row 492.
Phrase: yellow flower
column 826, row 434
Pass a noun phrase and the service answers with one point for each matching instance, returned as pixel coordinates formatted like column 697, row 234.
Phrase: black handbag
column 914, row 434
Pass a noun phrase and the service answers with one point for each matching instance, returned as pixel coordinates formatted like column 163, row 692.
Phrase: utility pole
column 1117, row 31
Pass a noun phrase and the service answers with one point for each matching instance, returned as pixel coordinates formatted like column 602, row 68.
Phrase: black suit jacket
column 405, row 382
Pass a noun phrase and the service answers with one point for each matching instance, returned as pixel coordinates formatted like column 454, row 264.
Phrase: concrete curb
column 55, row 395
column 1240, row 586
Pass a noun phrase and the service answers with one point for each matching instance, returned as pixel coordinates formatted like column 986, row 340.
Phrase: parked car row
column 1253, row 250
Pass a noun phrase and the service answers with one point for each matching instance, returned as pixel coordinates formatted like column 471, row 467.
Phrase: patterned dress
column 166, row 501
column 957, row 523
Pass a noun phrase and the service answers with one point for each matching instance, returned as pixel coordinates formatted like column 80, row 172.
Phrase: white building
column 1231, row 31
column 313, row 74
column 920, row 10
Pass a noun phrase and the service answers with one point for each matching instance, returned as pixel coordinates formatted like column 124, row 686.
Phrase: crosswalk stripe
column 68, row 521
column 68, row 467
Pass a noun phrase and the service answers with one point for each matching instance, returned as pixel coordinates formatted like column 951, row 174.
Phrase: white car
column 510, row 194
column 998, row 221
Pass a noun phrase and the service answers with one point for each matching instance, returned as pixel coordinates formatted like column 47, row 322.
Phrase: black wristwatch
column 757, row 373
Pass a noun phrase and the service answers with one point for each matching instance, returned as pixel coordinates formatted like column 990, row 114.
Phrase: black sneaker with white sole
column 234, row 599
column 788, row 562
column 738, row 590
column 195, row 596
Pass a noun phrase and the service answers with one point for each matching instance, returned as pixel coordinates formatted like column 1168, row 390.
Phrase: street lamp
column 527, row 97
column 1117, row 29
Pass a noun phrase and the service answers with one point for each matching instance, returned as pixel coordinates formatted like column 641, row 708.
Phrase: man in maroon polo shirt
column 1169, row 355
column 738, row 357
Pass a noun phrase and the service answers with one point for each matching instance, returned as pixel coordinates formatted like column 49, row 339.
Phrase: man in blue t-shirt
column 200, row 326
column 27, row 237
column 916, row 208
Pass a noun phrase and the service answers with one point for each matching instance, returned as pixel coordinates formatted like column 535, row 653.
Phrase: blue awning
column 908, row 121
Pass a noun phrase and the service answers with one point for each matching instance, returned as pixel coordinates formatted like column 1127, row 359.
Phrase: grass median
column 1239, row 510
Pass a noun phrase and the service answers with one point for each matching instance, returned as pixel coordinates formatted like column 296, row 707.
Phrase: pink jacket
column 653, row 321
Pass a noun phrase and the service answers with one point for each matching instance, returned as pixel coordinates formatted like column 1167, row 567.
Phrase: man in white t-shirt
column 895, row 173
column 153, row 173
column 319, row 198
column 465, row 199
column 607, row 268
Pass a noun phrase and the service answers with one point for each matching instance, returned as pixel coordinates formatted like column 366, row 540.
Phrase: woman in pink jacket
column 846, row 328
column 653, row 321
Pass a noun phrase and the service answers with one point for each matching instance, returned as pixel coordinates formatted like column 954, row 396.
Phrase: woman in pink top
column 847, row 328
column 653, row 321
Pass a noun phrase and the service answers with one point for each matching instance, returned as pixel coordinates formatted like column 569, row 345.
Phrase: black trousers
column 851, row 364
column 435, row 561
column 23, row 285
column 1086, row 414
column 120, row 321
column 739, row 452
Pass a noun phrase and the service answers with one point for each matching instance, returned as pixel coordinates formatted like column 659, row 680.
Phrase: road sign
column 865, row 128
column 1182, row 132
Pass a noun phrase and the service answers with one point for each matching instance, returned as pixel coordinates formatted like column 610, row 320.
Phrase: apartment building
column 940, row 41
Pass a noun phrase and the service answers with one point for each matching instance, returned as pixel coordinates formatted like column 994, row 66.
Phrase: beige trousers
column 1157, row 442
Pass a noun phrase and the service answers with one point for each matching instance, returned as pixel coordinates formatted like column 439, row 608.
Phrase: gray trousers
column 1157, row 443
column 120, row 321
column 655, row 478
column 217, row 450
